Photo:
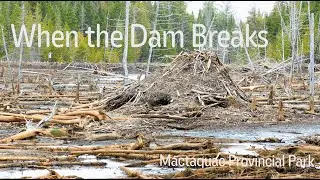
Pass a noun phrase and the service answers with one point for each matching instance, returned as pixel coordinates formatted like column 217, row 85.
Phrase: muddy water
column 110, row 170
column 289, row 133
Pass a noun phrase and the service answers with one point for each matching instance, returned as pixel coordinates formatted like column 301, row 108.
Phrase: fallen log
column 110, row 151
column 66, row 163
column 35, row 158
column 129, row 156
column 133, row 173
column 20, row 136
column 103, row 137
column 51, row 175
column 32, row 133
column 281, row 98
column 251, row 88
column 140, row 143
column 11, row 117
column 159, row 116
column 37, row 117
column 298, row 107
column 143, row 163
column 21, row 158
column 97, row 114
column 185, row 146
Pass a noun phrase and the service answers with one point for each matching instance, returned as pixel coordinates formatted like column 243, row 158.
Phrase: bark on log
column 97, row 114
column 185, row 146
column 20, row 136
column 103, row 137
column 164, row 116
column 133, row 173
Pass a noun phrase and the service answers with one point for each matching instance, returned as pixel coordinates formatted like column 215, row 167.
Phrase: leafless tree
column 154, row 28
column 311, row 65
column 21, row 49
column 125, row 51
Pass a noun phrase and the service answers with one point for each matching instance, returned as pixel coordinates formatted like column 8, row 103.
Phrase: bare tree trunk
column 298, row 39
column 21, row 52
column 8, row 59
column 154, row 28
column 125, row 50
column 318, row 37
column 293, row 41
column 116, row 30
column 105, row 47
column 207, row 43
column 311, row 65
column 264, row 27
column 282, row 42
column 245, row 48
column 282, row 36
column 297, row 55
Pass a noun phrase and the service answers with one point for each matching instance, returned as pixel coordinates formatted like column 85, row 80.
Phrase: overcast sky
column 241, row 8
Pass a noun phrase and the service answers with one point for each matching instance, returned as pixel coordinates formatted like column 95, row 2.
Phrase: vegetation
column 79, row 15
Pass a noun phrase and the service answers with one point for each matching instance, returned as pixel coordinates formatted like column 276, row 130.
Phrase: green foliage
column 79, row 15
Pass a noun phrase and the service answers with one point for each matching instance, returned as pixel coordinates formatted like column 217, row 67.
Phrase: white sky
column 240, row 8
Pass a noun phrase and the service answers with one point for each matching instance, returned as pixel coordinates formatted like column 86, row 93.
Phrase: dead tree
column 283, row 28
column 264, row 28
column 21, row 51
column 105, row 45
column 245, row 48
column 117, row 25
column 154, row 29
column 293, row 23
column 282, row 43
column 125, row 50
column 311, row 65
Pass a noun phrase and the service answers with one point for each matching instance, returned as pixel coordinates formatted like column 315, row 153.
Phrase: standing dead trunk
column 282, row 44
column 280, row 111
column 264, row 28
column 254, row 103
column 293, row 38
column 311, row 65
column 2, row 71
column 125, row 50
column 283, row 28
column 245, row 48
column 271, row 95
column 105, row 46
column 116, row 30
column 154, row 28
column 77, row 99
column 21, row 51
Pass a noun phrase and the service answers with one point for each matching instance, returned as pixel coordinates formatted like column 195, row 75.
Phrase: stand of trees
column 287, row 26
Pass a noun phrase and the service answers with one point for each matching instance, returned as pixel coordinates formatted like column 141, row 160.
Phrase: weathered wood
column 280, row 112
column 20, row 136
column 103, row 137
column 158, row 116
column 133, row 173
column 185, row 146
